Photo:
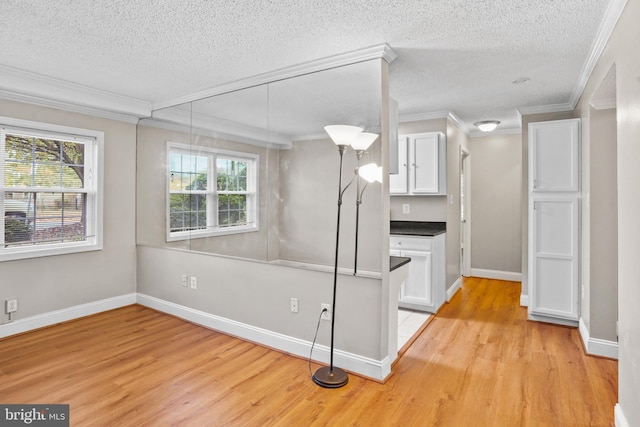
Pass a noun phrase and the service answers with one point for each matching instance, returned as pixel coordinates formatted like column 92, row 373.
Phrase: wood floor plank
column 479, row 362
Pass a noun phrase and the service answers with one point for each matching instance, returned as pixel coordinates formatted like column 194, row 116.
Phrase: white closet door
column 555, row 156
column 555, row 252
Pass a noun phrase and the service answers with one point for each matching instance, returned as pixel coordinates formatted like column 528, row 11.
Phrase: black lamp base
column 325, row 377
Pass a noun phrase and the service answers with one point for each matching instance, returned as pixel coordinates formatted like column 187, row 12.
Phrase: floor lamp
column 360, row 146
column 343, row 136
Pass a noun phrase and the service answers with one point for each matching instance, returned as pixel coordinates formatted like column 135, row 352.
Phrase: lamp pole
column 359, row 154
column 330, row 376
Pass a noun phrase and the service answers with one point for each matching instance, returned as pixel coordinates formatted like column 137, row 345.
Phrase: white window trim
column 93, row 186
column 212, row 201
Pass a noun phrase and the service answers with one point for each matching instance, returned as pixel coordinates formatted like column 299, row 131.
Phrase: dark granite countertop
column 397, row 262
column 418, row 228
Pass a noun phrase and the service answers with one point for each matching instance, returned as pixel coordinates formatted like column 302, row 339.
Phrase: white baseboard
column 552, row 319
column 454, row 288
column 524, row 300
column 595, row 346
column 619, row 418
column 497, row 274
column 51, row 318
column 377, row 369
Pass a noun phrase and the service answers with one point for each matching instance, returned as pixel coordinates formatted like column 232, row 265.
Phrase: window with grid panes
column 51, row 191
column 210, row 192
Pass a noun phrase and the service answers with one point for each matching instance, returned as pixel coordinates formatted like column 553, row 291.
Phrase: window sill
column 213, row 232
column 27, row 252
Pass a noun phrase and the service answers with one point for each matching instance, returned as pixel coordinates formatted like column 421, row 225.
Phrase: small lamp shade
column 370, row 172
column 363, row 141
column 342, row 134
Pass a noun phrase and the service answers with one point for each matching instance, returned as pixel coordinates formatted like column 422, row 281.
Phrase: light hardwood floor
column 478, row 363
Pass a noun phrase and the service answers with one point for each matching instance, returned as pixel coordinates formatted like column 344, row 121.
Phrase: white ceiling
column 458, row 56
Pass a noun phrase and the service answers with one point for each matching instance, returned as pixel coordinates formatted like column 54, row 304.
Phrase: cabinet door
column 398, row 181
column 424, row 164
column 416, row 290
column 554, row 161
column 555, row 257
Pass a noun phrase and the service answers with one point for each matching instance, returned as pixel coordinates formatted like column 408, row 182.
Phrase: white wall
column 496, row 173
column 622, row 53
column 601, row 288
column 258, row 294
column 47, row 284
column 309, row 203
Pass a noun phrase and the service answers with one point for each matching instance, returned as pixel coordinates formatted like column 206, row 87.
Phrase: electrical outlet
column 184, row 280
column 194, row 282
column 406, row 208
column 11, row 306
column 327, row 314
column 294, row 305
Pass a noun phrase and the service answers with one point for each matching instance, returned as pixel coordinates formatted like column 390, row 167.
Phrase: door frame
column 465, row 207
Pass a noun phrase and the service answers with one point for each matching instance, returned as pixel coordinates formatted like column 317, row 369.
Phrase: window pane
column 176, row 202
column 43, row 163
column 17, row 174
column 40, row 218
column 46, row 175
column 72, row 176
column 176, row 221
column 197, row 182
column 19, row 148
column 187, row 212
column 232, row 209
column 232, row 175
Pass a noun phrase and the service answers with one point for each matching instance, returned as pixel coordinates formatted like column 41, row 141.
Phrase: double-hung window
column 50, row 189
column 210, row 192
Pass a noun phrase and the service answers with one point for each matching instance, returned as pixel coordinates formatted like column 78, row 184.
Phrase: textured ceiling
column 453, row 55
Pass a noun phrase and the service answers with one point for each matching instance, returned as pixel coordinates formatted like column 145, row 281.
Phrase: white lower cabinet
column 424, row 289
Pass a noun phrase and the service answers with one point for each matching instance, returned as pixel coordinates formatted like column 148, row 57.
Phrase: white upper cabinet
column 554, row 160
column 421, row 165
column 424, row 163
column 398, row 183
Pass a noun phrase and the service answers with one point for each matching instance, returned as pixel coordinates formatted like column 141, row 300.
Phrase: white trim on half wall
column 376, row 369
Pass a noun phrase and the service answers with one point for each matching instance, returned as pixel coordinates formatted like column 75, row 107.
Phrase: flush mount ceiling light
column 487, row 125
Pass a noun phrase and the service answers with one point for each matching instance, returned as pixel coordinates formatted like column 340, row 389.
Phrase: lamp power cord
column 314, row 341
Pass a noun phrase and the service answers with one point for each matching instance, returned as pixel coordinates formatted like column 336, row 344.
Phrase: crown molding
column 550, row 108
column 66, row 106
column 416, row 117
column 202, row 124
column 25, row 86
column 607, row 25
column 382, row 51
column 459, row 123
column 445, row 114
column 604, row 104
